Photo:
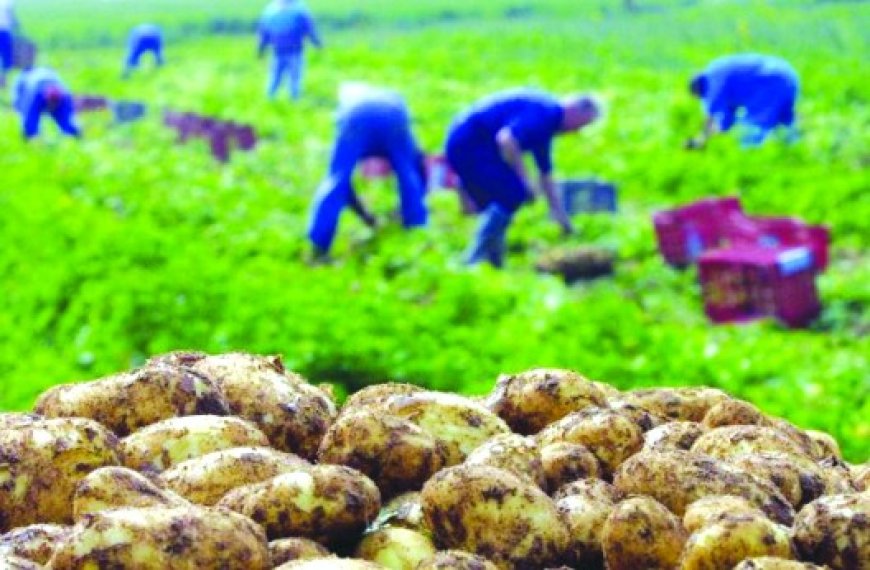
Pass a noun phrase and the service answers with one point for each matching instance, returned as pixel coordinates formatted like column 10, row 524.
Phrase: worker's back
column 287, row 24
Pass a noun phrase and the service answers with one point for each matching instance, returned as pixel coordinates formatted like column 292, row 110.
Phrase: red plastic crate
column 745, row 283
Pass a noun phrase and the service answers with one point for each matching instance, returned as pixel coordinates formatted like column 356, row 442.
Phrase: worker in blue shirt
column 286, row 25
column 371, row 122
column 145, row 38
column 39, row 91
column 757, row 91
column 485, row 147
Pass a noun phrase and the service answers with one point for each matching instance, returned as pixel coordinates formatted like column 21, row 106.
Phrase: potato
column 714, row 508
column 405, row 511
column 771, row 563
column 797, row 435
column 456, row 560
column 492, row 512
column 641, row 533
column 375, row 396
column 461, row 424
column 838, row 477
column 835, row 531
column 159, row 538
column 731, row 441
column 293, row 414
column 567, row 462
column 236, row 365
column 331, row 563
column 165, row 444
column 41, row 464
column 11, row 562
column 672, row 436
column 534, row 399
column 286, row 549
column 590, row 489
column 114, row 487
column 643, row 418
column 678, row 478
column 584, row 516
column 322, row 502
column 35, row 542
column 733, row 413
column 823, row 445
column 397, row 454
column 612, row 437
column 685, row 404
column 798, row 478
column 395, row 548
column 514, row 453
column 729, row 541
column 205, row 480
column 130, row 401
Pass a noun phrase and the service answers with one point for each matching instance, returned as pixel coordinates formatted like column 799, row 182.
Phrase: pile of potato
column 230, row 461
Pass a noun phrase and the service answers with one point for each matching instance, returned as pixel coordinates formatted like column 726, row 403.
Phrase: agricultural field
column 125, row 245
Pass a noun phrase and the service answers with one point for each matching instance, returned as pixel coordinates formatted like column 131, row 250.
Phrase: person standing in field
column 485, row 147
column 8, row 26
column 371, row 122
column 40, row 91
column 757, row 91
column 145, row 38
column 286, row 25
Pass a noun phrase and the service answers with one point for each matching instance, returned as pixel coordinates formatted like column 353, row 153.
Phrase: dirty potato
column 715, row 508
column 567, row 462
column 733, row 413
column 643, row 418
column 130, row 401
column 678, row 478
column 114, row 487
column 641, row 533
column 609, row 435
column 205, row 480
column 676, row 404
column 41, row 464
column 835, row 531
column 823, row 445
column 287, row 549
column 726, row 543
column 375, row 396
column 330, row 563
column 514, row 453
column 672, row 436
column 395, row 453
column 771, row 563
column 591, row 489
column 159, row 538
column 584, row 516
column 322, row 502
column 36, row 542
column 731, row 441
column 492, row 512
column 531, row 400
column 165, row 444
column 798, row 477
column 395, row 548
column 456, row 560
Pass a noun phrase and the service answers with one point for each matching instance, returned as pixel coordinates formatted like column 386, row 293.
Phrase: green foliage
column 125, row 245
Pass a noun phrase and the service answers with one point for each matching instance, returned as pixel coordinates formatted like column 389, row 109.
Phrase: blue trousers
column 289, row 65
column 369, row 132
column 140, row 47
column 6, row 51
column 63, row 115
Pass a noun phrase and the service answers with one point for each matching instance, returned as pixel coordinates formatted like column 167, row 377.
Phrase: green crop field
column 125, row 245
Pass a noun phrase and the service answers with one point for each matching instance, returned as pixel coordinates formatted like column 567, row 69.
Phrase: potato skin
column 733, row 413
column 205, row 480
column 14, row 420
column 456, row 560
column 322, row 502
column 159, row 538
column 34, row 542
column 492, row 512
column 730, row 441
column 835, row 531
column 42, row 464
column 564, row 463
column 798, row 477
column 331, row 563
column 531, row 400
column 165, row 444
column 590, row 489
column 397, row 454
column 584, row 516
column 127, row 402
column 824, row 445
column 396, row 548
column 11, row 562
column 771, row 563
column 676, row 404
column 641, row 533
column 644, row 419
column 513, row 452
column 114, row 487
column 726, row 543
column 715, row 508
column 376, row 396
column 672, row 436
column 678, row 478
column 284, row 550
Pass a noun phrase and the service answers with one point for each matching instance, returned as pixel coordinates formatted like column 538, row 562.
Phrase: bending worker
column 371, row 122
column 39, row 91
column 145, row 38
column 485, row 147
column 8, row 26
column 759, row 91
column 286, row 25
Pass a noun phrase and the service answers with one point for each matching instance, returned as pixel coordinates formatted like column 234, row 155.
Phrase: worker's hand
column 561, row 218
column 369, row 220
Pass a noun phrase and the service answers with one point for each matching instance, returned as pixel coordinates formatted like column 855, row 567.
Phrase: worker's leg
column 134, row 56
column 6, row 55
column 406, row 160
column 30, row 118
column 64, row 116
column 508, row 194
column 158, row 52
column 279, row 67
column 296, row 67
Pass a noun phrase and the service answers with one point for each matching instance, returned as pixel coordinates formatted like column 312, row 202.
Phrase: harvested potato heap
column 230, row 461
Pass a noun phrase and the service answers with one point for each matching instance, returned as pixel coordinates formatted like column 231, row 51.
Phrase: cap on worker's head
column 580, row 110
column 53, row 96
column 699, row 85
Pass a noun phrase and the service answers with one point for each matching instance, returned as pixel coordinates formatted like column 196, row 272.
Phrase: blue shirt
column 368, row 109
column 758, row 84
column 145, row 31
column 286, row 26
column 29, row 86
column 533, row 117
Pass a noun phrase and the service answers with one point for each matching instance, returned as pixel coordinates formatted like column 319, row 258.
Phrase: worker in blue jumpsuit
column 145, row 38
column 757, row 91
column 286, row 25
column 38, row 91
column 371, row 122
column 485, row 147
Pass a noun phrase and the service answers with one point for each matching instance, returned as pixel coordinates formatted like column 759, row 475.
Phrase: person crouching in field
column 145, row 38
column 8, row 25
column 485, row 147
column 758, row 91
column 286, row 25
column 371, row 122
column 39, row 91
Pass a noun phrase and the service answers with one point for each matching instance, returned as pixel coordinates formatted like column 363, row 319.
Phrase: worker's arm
column 512, row 153
column 312, row 33
column 554, row 201
column 708, row 131
column 264, row 42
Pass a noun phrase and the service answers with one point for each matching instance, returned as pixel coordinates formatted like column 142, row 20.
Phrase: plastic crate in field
column 581, row 196
column 685, row 233
column 746, row 283
column 127, row 111
column 88, row 103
